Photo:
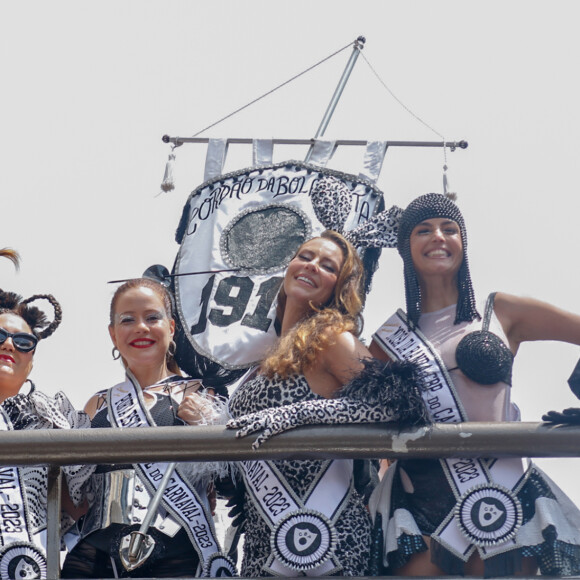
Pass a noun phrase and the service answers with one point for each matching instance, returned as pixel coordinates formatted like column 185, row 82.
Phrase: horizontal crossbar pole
column 339, row 142
column 216, row 443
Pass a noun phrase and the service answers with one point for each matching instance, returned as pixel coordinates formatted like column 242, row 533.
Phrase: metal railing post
column 53, row 522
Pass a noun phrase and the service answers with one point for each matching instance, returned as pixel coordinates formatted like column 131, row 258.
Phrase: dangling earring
column 116, row 354
column 32, row 386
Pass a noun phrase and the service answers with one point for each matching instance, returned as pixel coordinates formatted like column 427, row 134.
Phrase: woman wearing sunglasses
column 23, row 501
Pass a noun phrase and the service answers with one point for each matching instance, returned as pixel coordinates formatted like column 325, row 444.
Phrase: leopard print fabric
column 332, row 201
column 318, row 412
column 352, row 527
column 378, row 232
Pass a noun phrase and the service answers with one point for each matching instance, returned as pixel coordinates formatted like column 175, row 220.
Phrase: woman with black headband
column 115, row 538
column 23, row 501
column 467, row 516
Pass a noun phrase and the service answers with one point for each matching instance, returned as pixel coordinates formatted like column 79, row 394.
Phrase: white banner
column 250, row 223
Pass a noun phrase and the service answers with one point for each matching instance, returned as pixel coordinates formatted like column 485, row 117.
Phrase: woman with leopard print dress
column 302, row 516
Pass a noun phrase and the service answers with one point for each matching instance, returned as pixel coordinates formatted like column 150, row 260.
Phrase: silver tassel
column 167, row 183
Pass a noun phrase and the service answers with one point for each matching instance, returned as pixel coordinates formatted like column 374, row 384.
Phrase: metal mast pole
column 357, row 47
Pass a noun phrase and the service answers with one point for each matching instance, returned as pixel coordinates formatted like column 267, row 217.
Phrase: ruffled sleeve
column 39, row 411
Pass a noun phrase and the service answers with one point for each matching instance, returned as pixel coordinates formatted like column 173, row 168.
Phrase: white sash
column 487, row 514
column 127, row 409
column 303, row 535
column 22, row 554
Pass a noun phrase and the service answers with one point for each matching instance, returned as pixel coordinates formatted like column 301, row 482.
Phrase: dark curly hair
column 41, row 327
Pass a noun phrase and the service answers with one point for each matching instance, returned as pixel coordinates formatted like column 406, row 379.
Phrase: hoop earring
column 117, row 354
column 32, row 386
column 171, row 350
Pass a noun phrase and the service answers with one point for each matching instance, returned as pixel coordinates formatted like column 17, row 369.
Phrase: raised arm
column 527, row 319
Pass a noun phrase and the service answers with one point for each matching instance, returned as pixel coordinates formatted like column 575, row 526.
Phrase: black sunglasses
column 23, row 341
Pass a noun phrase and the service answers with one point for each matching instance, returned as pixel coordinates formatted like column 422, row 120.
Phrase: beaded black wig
column 424, row 207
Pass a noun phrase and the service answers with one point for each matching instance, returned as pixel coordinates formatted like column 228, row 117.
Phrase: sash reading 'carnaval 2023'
column 488, row 513
column 303, row 537
column 128, row 410
column 22, row 555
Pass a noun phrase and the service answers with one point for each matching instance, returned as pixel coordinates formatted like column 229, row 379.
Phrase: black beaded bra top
column 482, row 356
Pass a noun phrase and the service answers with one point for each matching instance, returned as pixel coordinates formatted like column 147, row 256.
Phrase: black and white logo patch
column 303, row 540
column 22, row 561
column 219, row 566
column 489, row 514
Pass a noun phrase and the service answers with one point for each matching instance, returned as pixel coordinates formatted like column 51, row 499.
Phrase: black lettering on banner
column 236, row 188
column 420, row 359
column 224, row 296
column 192, row 230
column 201, row 324
column 412, row 351
column 444, row 416
column 365, row 212
column 247, row 186
column 296, row 185
column 406, row 345
column 267, row 292
column 205, row 209
column 282, row 186
column 238, row 303
column 176, row 495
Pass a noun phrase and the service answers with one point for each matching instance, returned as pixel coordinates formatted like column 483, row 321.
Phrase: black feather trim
column 391, row 385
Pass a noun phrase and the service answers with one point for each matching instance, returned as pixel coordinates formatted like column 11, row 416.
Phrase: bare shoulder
column 95, row 403
column 337, row 364
column 343, row 356
column 348, row 343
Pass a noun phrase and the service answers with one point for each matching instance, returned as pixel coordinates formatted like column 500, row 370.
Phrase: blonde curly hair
column 299, row 349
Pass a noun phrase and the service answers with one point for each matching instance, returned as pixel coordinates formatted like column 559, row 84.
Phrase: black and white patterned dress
column 415, row 496
column 353, row 524
column 39, row 411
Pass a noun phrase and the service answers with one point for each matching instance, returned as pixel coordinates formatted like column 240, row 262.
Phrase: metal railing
column 56, row 448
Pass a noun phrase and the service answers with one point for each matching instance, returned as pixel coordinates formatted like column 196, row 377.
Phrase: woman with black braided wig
column 467, row 516
column 23, row 501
